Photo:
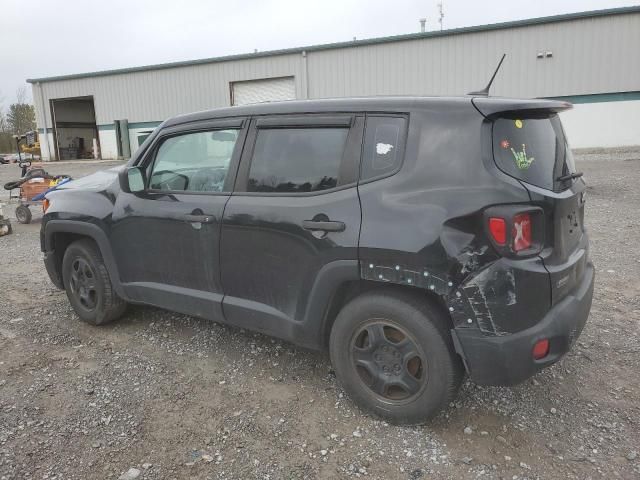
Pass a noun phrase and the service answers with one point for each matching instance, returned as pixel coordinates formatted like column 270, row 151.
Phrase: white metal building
column 591, row 59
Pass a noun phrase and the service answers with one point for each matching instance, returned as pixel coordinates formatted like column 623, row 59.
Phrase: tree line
column 17, row 119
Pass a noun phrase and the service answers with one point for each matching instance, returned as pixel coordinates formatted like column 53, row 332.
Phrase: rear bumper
column 508, row 360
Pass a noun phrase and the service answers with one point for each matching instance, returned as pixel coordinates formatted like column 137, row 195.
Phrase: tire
column 374, row 332
column 88, row 286
column 23, row 214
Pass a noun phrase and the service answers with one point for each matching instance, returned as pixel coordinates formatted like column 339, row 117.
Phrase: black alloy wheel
column 88, row 285
column 393, row 354
column 83, row 283
column 389, row 361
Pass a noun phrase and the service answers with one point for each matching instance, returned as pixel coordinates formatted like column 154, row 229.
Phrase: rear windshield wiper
column 571, row 176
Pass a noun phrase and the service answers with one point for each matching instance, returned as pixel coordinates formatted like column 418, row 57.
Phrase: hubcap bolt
column 385, row 369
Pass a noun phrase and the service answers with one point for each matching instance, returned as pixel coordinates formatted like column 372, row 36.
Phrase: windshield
column 533, row 150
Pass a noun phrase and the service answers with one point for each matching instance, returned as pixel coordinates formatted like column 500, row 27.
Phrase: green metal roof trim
column 370, row 41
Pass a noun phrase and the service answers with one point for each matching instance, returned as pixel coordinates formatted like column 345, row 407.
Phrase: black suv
column 415, row 238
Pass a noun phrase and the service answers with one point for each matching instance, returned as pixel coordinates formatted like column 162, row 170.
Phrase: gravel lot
column 163, row 395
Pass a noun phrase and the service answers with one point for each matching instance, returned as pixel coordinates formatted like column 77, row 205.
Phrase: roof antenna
column 485, row 91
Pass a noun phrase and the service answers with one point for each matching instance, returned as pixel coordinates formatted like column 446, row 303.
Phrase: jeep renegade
column 415, row 238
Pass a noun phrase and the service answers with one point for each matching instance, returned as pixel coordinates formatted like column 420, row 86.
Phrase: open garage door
column 74, row 128
column 263, row 90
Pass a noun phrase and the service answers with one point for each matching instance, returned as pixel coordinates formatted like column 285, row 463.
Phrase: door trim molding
column 188, row 301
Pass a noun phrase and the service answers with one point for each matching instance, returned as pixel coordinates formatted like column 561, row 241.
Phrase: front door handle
column 198, row 218
column 326, row 226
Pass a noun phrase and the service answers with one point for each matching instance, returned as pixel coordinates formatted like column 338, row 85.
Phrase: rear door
column 534, row 149
column 293, row 214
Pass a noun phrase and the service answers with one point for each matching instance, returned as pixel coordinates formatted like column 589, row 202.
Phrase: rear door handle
column 326, row 226
column 198, row 218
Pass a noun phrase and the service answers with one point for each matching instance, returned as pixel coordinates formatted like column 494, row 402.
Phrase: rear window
column 533, row 150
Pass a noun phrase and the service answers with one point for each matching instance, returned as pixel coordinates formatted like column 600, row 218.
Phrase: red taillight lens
column 541, row 349
column 498, row 229
column 521, row 232
column 515, row 231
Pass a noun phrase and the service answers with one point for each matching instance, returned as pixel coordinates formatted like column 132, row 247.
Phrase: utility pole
column 441, row 14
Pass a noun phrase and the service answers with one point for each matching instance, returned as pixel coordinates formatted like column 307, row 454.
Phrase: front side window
column 296, row 160
column 193, row 162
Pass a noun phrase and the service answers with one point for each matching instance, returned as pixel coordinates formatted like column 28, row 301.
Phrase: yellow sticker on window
column 518, row 123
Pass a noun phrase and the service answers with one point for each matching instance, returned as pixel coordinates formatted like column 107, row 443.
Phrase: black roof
column 386, row 104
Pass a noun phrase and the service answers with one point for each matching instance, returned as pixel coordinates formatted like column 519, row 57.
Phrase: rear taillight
column 521, row 232
column 498, row 230
column 515, row 230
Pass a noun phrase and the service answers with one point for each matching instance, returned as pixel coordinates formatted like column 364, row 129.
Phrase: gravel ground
column 160, row 395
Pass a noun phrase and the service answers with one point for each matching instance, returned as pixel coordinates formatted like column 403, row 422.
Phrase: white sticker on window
column 383, row 148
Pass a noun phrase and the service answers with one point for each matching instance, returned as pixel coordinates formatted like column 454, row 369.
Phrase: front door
column 294, row 213
column 166, row 239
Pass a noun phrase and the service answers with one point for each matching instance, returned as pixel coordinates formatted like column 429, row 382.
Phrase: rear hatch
column 529, row 144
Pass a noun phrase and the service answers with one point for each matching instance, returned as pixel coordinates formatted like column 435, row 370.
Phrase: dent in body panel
column 482, row 291
column 470, row 259
column 469, row 298
column 490, row 291
column 505, row 296
column 483, row 297
column 479, row 288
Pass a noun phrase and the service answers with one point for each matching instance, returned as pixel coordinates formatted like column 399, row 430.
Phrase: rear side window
column 296, row 160
column 383, row 146
column 533, row 150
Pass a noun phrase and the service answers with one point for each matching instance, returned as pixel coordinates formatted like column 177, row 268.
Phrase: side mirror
column 132, row 180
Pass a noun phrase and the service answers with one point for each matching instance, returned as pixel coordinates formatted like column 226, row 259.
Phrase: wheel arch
column 59, row 234
column 349, row 290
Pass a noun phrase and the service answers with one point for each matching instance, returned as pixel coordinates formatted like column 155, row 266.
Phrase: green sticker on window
column 522, row 161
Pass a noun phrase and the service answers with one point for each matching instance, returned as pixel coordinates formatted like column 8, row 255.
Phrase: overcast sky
column 41, row 38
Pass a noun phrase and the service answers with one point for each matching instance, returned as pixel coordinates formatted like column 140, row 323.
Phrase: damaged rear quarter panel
column 422, row 227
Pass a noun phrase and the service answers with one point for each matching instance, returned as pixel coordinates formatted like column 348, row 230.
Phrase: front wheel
column 88, row 286
column 393, row 354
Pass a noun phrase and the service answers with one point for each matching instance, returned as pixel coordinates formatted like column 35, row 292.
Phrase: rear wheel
column 88, row 286
column 393, row 354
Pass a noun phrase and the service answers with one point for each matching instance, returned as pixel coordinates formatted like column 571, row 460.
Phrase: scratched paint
column 471, row 258
column 481, row 292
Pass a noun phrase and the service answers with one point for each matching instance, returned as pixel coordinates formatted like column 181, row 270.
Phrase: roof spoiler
column 492, row 107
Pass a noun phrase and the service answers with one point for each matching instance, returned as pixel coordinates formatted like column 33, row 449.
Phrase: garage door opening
column 74, row 128
column 263, row 90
